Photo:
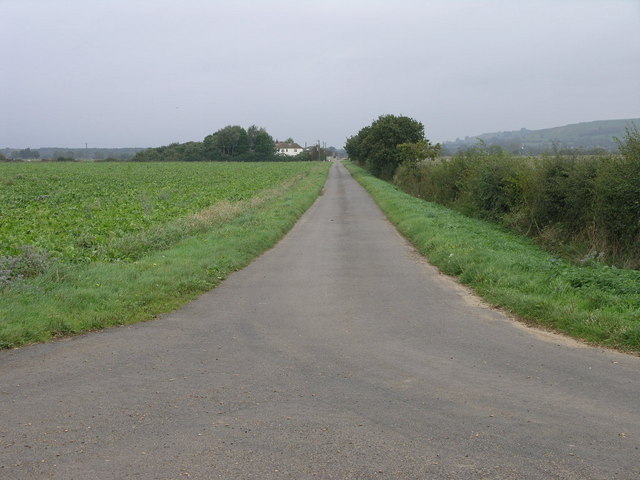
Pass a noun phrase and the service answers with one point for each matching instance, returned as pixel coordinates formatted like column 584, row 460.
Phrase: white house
column 288, row 149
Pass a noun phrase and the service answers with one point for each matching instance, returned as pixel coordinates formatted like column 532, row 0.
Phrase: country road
column 338, row 354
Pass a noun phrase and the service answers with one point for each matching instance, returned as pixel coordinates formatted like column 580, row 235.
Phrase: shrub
column 30, row 262
column 617, row 208
column 586, row 205
column 491, row 187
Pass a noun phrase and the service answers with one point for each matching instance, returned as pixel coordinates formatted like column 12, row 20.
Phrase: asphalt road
column 338, row 354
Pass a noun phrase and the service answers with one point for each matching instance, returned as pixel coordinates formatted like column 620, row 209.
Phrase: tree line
column 232, row 143
column 21, row 154
column 583, row 207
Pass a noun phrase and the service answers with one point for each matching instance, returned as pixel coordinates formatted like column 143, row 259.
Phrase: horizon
column 340, row 147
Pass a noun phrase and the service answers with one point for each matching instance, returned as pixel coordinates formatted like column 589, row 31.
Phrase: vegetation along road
column 337, row 354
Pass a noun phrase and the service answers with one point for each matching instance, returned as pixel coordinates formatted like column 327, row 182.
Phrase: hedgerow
column 585, row 206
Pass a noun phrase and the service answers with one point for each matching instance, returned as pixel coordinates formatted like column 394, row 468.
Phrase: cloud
column 112, row 73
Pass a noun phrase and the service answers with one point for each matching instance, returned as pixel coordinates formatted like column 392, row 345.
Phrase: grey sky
column 118, row 73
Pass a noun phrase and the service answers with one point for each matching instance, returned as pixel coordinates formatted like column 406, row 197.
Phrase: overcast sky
column 127, row 73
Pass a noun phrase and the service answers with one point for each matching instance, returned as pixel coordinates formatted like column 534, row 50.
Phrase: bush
column 30, row 262
column 491, row 191
column 586, row 204
column 617, row 208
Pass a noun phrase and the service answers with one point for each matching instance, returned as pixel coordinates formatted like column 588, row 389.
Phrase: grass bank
column 73, row 298
column 592, row 302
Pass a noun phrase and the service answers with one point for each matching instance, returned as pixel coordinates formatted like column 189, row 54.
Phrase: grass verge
column 592, row 302
column 71, row 299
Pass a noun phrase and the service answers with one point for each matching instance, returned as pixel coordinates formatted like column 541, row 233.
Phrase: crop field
column 84, row 246
column 78, row 211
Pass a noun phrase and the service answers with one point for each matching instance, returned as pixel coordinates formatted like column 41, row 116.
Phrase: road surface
column 338, row 354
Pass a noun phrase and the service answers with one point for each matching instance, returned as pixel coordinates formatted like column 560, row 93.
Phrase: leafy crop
column 152, row 269
column 77, row 211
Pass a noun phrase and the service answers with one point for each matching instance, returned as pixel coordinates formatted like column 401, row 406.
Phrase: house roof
column 287, row 145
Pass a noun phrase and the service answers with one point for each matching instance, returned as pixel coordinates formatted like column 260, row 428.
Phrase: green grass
column 593, row 302
column 74, row 297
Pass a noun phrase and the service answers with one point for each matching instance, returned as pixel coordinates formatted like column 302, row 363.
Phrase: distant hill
column 587, row 136
column 70, row 153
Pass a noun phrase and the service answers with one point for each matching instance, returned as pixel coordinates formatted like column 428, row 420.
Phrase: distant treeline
column 68, row 154
column 231, row 143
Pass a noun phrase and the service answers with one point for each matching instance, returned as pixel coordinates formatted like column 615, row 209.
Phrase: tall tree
column 231, row 140
column 376, row 146
column 263, row 145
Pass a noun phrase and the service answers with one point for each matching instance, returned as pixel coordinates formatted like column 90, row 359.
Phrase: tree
column 263, row 145
column 231, row 140
column 414, row 153
column 192, row 152
column 231, row 143
column 376, row 146
column 630, row 146
column 25, row 154
column 252, row 133
column 355, row 146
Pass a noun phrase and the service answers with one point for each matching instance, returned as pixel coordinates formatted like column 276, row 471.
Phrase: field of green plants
column 79, row 211
column 84, row 246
